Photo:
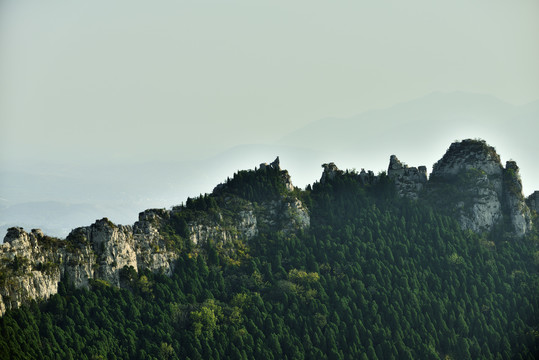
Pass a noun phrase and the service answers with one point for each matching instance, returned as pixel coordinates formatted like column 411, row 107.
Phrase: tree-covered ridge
column 266, row 183
column 246, row 190
column 374, row 277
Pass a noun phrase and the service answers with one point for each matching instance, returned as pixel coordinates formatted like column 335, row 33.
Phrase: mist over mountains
column 57, row 197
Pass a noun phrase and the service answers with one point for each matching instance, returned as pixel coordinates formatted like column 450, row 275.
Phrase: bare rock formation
column 409, row 181
column 471, row 183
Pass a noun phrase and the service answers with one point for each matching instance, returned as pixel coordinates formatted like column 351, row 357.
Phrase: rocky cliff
column 30, row 267
column 514, row 205
column 32, row 264
column 409, row 181
column 331, row 171
column 471, row 183
column 533, row 202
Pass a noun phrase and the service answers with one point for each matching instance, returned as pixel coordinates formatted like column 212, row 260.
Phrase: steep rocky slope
column 409, row 181
column 533, row 201
column 471, row 183
column 32, row 264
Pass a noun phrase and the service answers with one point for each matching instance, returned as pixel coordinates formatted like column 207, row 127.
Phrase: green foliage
column 375, row 277
column 76, row 240
column 205, row 320
column 255, row 185
column 50, row 242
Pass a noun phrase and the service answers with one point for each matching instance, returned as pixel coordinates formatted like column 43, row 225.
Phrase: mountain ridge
column 167, row 179
column 468, row 183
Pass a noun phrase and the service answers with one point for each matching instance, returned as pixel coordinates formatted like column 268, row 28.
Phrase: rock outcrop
column 287, row 214
column 514, row 204
column 154, row 252
column 409, row 181
column 32, row 264
column 30, row 267
column 103, row 249
column 471, row 183
column 368, row 177
column 533, row 202
column 330, row 171
column 276, row 165
column 222, row 229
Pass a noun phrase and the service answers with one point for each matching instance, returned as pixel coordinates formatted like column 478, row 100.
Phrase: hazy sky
column 91, row 89
column 124, row 80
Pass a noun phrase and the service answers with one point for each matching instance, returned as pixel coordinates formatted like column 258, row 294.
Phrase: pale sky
column 131, row 79
column 126, row 81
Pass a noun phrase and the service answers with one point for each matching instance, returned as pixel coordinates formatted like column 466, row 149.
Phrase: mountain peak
column 471, row 183
column 275, row 165
column 468, row 154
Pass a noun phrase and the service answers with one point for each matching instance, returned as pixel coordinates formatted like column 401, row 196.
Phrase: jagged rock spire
column 276, row 164
column 409, row 181
column 514, row 204
column 329, row 173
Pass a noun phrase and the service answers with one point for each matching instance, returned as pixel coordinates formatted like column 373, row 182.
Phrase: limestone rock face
column 533, row 202
column 469, row 179
column 287, row 214
column 32, row 264
column 113, row 247
column 297, row 214
column 469, row 155
column 151, row 248
column 514, row 203
column 247, row 224
column 200, row 232
column 221, row 228
column 409, row 181
column 80, row 265
column 30, row 267
column 471, row 182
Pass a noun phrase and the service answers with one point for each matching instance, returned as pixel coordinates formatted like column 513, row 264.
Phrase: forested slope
column 375, row 276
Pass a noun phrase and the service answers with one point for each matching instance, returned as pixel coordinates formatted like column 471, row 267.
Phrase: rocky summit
column 469, row 183
column 409, row 181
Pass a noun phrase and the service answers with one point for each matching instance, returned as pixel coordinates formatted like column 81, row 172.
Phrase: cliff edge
column 33, row 264
column 470, row 183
